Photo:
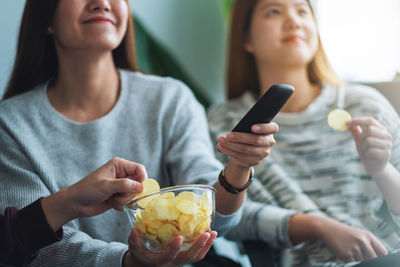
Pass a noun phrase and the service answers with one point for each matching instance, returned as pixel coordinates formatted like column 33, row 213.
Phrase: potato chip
column 167, row 232
column 187, row 207
column 164, row 209
column 149, row 186
column 187, row 195
column 186, row 226
column 338, row 118
column 206, row 204
column 165, row 215
column 139, row 224
column 202, row 228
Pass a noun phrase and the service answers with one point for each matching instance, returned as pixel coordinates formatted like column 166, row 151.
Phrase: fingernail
column 230, row 135
column 256, row 128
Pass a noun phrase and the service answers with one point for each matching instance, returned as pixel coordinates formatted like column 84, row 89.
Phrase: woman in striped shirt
column 330, row 197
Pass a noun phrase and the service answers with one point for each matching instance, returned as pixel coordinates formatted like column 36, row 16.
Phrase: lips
column 98, row 19
column 293, row 38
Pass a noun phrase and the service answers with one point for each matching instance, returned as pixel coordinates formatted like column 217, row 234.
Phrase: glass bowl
column 186, row 210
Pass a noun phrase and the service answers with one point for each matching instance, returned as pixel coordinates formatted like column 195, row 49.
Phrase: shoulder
column 230, row 110
column 364, row 100
column 20, row 105
column 164, row 94
column 363, row 95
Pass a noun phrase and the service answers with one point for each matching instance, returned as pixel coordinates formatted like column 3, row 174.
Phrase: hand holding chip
column 374, row 143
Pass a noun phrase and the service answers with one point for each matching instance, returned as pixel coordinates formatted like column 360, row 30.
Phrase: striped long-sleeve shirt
column 315, row 169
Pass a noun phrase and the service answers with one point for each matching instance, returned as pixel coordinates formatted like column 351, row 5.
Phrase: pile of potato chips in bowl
column 162, row 214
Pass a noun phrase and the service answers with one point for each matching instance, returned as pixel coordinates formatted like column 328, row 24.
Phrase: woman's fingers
column 364, row 122
column 117, row 202
column 348, row 259
column 368, row 252
column 265, row 128
column 246, row 149
column 376, row 142
column 134, row 240
column 173, row 248
column 126, row 168
column 207, row 246
column 199, row 249
column 248, row 139
column 379, row 249
column 373, row 131
column 246, row 160
column 195, row 249
column 124, row 187
column 357, row 254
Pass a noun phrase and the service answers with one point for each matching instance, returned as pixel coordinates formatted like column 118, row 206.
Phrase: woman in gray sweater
column 75, row 99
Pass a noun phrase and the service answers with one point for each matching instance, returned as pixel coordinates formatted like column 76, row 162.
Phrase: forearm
column 226, row 202
column 388, row 182
column 305, row 227
column 58, row 209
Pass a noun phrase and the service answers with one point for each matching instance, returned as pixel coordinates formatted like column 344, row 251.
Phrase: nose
column 292, row 20
column 99, row 5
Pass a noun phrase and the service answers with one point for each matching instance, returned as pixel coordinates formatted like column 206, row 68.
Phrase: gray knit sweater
column 314, row 169
column 156, row 122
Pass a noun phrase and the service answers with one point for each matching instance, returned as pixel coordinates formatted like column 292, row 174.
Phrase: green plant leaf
column 226, row 8
column 154, row 58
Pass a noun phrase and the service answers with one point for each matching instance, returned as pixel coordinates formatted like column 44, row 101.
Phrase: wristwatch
column 230, row 188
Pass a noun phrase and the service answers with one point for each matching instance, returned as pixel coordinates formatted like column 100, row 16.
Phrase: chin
column 299, row 56
column 102, row 45
column 295, row 61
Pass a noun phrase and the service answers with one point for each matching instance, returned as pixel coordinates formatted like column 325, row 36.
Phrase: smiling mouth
column 98, row 20
column 293, row 39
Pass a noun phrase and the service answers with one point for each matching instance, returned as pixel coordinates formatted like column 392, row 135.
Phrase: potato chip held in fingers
column 338, row 118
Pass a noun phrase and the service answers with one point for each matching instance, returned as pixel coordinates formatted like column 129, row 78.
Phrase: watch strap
column 230, row 188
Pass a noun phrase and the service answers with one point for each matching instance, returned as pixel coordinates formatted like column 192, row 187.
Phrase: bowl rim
column 170, row 189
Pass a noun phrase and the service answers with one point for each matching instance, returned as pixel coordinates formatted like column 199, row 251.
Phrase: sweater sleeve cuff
column 32, row 229
column 273, row 225
column 224, row 223
column 112, row 254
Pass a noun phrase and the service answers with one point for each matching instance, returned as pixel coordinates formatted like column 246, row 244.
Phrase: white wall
column 192, row 30
column 361, row 37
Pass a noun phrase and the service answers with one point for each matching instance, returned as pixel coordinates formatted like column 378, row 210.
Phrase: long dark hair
column 242, row 72
column 36, row 58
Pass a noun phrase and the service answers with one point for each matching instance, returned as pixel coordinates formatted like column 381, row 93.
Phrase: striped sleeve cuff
column 224, row 223
column 273, row 226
